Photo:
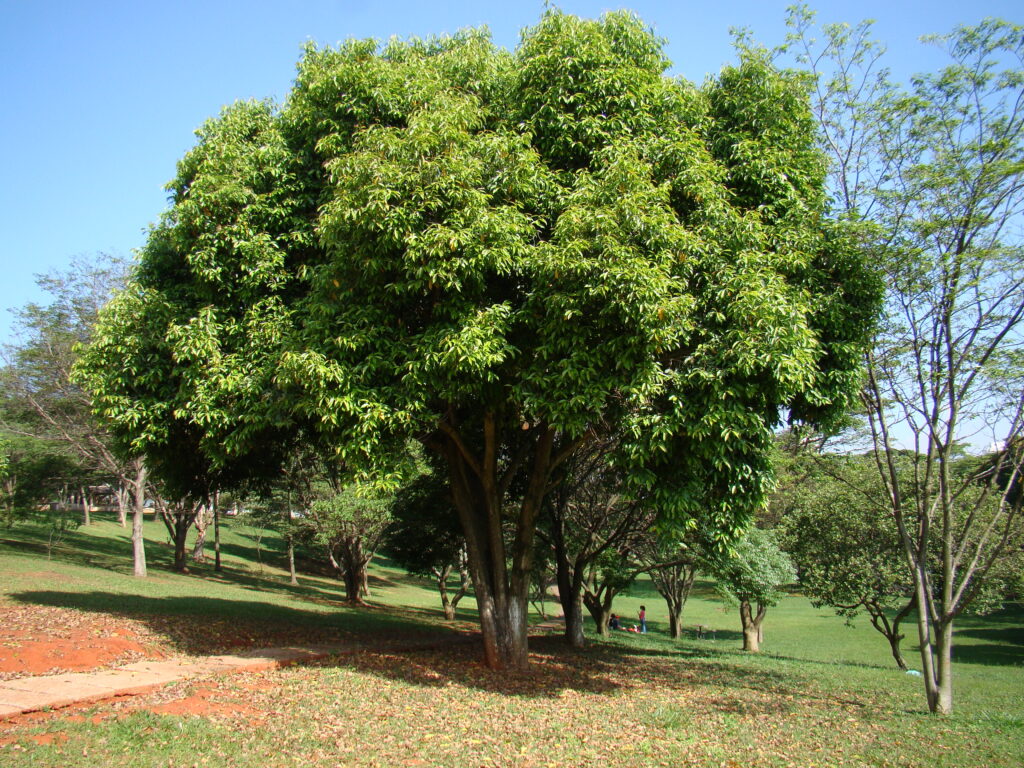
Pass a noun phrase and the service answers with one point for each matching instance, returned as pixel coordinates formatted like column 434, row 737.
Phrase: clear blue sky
column 100, row 99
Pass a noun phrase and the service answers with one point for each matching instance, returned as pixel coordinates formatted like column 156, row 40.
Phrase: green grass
column 822, row 693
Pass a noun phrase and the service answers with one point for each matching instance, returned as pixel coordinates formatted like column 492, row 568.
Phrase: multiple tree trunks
column 501, row 573
column 450, row 602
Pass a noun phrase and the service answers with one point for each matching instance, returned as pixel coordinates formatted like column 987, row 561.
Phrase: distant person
column 643, row 619
column 614, row 623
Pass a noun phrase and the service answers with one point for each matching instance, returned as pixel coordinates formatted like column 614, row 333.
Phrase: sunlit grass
column 823, row 693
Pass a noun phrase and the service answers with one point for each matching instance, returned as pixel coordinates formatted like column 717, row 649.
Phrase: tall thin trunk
column 86, row 507
column 123, row 501
column 138, row 518
column 216, row 532
column 290, row 541
column 293, row 578
column 570, row 587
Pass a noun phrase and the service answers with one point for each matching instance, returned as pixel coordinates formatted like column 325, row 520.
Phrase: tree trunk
column 351, row 567
column 138, row 517
column 290, row 541
column 441, row 574
column 570, row 587
column 202, row 522
column 943, row 703
column 216, row 533
column 293, row 577
column 86, row 519
column 600, row 611
column 123, row 501
column 675, row 625
column 464, row 583
column 181, row 528
column 178, row 521
column 751, row 623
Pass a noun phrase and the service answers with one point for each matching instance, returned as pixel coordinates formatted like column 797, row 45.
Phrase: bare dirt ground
column 42, row 640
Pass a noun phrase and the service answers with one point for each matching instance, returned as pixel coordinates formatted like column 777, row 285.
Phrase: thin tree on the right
column 933, row 172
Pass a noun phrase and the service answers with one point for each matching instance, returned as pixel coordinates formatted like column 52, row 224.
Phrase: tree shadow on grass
column 204, row 625
column 557, row 671
column 1001, row 633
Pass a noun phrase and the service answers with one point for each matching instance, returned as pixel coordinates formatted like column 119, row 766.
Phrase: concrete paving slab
column 59, row 684
column 6, row 710
column 119, row 678
column 29, row 701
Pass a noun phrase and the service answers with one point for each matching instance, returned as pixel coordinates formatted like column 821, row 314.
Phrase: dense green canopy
column 500, row 254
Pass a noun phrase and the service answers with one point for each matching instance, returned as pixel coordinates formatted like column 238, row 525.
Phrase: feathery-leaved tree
column 934, row 173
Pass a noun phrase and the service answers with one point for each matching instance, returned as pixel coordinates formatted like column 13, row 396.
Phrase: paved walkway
column 31, row 694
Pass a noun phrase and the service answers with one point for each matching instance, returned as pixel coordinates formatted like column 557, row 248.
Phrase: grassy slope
column 823, row 693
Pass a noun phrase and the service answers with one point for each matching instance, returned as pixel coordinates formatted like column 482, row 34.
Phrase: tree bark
column 123, row 500
column 751, row 623
column 293, row 577
column 570, row 586
column 600, row 609
column 178, row 520
column 86, row 519
column 216, row 533
column 138, row 519
column 181, row 527
column 441, row 574
column 202, row 522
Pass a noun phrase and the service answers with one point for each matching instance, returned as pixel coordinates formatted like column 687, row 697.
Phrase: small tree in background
column 672, row 561
column 843, row 540
column 752, row 574
column 426, row 539
column 351, row 524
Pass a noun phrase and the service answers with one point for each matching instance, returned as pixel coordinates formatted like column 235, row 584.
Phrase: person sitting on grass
column 613, row 623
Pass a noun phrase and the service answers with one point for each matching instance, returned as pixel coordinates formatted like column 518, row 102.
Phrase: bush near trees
column 501, row 255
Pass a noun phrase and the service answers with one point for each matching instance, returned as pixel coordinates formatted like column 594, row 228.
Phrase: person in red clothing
column 643, row 619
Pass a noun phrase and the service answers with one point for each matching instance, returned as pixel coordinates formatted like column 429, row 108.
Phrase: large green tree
column 502, row 255
column 933, row 172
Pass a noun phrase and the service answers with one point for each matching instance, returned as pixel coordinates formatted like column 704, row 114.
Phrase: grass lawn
column 822, row 693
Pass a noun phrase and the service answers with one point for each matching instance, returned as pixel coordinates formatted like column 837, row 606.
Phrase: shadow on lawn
column 204, row 625
column 1002, row 633
column 557, row 671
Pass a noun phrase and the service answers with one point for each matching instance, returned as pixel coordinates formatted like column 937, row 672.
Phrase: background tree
column 606, row 577
column 34, row 473
column 587, row 514
column 934, row 172
column 752, row 575
column 502, row 255
column 673, row 561
column 351, row 524
column 838, row 528
column 43, row 400
column 425, row 537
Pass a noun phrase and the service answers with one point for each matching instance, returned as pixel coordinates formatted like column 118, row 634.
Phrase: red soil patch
column 38, row 640
column 209, row 702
